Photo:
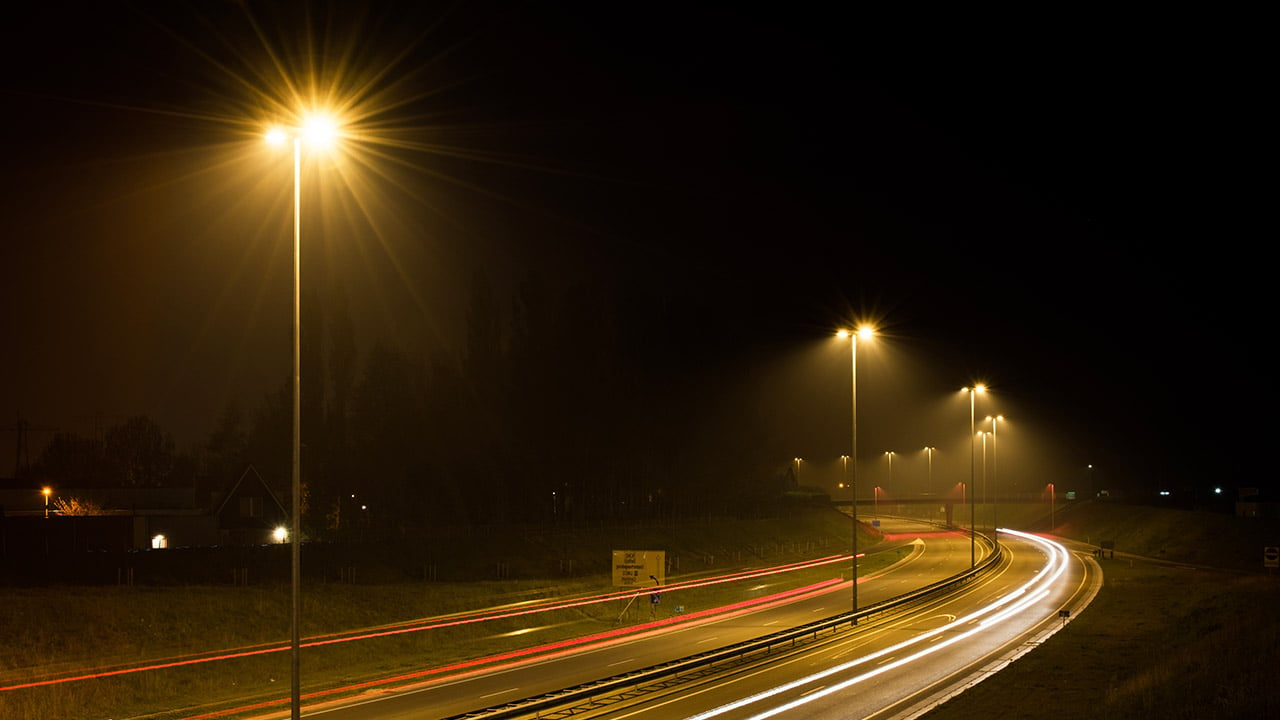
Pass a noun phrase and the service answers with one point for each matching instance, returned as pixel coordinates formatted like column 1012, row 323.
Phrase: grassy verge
column 80, row 631
column 1157, row 642
column 1160, row 640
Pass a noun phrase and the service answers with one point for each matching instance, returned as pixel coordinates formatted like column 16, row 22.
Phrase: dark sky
column 1055, row 202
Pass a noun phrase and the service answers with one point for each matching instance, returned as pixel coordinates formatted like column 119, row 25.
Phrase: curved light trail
column 998, row 611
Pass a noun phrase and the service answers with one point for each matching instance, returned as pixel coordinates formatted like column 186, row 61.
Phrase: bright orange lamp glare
column 864, row 332
column 319, row 131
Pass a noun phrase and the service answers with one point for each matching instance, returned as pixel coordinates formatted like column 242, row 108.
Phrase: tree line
column 569, row 405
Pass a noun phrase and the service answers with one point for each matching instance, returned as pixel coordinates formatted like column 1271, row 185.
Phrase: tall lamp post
column 866, row 333
column 46, row 492
column 984, row 435
column 973, row 540
column 928, row 451
column 1053, row 498
column 888, row 454
column 316, row 131
column 995, row 478
column 844, row 475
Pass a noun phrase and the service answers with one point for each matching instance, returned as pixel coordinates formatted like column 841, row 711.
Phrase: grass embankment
column 60, row 632
column 1160, row 640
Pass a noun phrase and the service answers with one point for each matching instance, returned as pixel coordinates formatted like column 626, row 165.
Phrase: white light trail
column 1025, row 596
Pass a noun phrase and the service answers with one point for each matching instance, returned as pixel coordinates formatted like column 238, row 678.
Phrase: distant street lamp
column 888, row 454
column 316, row 131
column 984, row 435
column 876, row 493
column 929, row 452
column 995, row 481
column 844, row 476
column 798, row 461
column 1052, row 500
column 973, row 540
column 866, row 333
column 46, row 492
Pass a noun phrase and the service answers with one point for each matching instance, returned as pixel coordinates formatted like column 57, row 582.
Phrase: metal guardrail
column 619, row 686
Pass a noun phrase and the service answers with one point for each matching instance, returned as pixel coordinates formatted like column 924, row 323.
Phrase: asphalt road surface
column 904, row 666
column 926, row 555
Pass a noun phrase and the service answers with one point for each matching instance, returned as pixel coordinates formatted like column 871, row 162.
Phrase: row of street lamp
column 320, row 131
column 866, row 333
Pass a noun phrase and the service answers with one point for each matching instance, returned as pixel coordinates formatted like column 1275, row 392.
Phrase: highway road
column 903, row 666
column 924, row 555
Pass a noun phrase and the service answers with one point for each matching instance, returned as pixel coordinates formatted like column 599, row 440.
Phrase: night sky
column 1056, row 204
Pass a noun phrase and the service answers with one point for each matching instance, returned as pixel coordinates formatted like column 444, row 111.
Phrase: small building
column 250, row 513
column 247, row 513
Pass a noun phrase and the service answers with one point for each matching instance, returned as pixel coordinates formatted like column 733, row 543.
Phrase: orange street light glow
column 864, row 332
column 318, row 131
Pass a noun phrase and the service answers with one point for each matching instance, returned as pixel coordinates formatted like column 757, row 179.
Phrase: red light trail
column 420, row 626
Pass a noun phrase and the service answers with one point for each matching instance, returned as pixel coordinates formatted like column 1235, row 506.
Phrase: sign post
column 633, row 568
column 640, row 569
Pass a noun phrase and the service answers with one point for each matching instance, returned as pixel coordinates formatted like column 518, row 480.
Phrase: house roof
column 250, row 476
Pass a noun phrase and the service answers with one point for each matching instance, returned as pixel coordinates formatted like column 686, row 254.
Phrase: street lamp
column 984, row 435
column 866, row 333
column 995, row 482
column 973, row 552
column 316, row 131
column 844, row 476
column 798, row 461
column 888, row 454
column 1052, row 500
column 929, row 478
column 46, row 492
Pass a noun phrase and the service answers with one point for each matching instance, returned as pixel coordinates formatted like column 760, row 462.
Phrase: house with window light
column 250, row 513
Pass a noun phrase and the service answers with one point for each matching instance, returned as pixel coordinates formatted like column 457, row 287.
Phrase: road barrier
column 620, row 687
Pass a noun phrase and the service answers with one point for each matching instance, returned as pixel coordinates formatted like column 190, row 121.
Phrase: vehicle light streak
column 411, row 627
column 1001, row 609
column 552, row 650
